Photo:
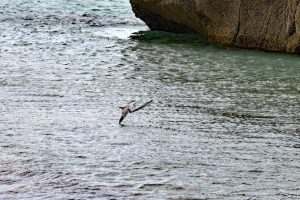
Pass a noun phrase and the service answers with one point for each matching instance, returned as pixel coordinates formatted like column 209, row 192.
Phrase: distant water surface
column 224, row 123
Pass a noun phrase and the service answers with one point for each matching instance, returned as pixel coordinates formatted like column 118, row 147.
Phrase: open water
column 224, row 122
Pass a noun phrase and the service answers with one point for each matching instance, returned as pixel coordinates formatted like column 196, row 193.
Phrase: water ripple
column 224, row 123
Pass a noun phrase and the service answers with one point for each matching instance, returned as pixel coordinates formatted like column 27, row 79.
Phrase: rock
column 270, row 25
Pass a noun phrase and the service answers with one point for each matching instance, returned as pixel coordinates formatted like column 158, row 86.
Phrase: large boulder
column 271, row 25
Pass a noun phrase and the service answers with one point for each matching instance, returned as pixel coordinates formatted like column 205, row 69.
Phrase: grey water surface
column 224, row 122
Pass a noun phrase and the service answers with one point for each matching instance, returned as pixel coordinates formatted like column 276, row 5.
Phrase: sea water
column 224, row 122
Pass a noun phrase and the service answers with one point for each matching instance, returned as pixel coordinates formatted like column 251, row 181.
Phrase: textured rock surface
column 271, row 25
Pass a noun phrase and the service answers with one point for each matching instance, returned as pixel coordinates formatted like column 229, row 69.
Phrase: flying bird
column 131, row 107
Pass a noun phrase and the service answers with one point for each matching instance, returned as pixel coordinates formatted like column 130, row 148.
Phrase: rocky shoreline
column 270, row 25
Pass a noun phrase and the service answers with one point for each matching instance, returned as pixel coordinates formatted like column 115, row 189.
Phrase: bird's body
column 131, row 107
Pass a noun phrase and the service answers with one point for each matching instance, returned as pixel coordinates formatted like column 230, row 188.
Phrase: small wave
column 151, row 185
column 29, row 17
column 26, row 173
column 47, row 95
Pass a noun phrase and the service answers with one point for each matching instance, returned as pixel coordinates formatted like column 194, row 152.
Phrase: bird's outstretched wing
column 140, row 107
column 127, row 104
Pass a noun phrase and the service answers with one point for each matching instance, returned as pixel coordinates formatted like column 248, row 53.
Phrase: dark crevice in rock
column 296, row 14
column 292, row 29
column 238, row 25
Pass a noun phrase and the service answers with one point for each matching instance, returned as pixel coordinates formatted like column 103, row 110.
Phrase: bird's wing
column 139, row 107
column 132, row 105
column 130, row 102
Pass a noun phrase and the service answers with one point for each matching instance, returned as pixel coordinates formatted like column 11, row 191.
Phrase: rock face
column 271, row 25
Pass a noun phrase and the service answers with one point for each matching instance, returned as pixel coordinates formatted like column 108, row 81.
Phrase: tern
column 131, row 107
